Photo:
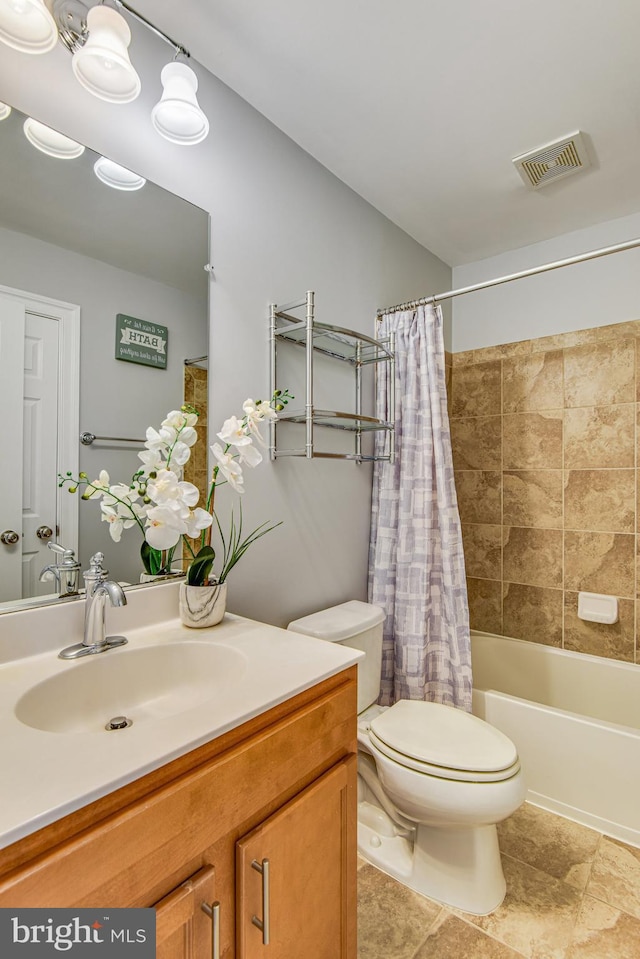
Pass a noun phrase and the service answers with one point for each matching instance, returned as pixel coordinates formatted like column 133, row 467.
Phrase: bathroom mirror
column 72, row 246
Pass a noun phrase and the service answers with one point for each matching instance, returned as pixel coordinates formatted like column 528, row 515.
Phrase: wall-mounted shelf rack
column 346, row 346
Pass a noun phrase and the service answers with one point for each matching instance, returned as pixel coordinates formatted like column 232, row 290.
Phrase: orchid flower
column 234, row 432
column 198, row 520
column 230, row 469
column 164, row 528
column 152, row 460
column 179, row 419
column 118, row 520
column 164, row 506
column 249, row 455
column 97, row 487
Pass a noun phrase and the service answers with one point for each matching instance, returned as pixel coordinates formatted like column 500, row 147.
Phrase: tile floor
column 571, row 894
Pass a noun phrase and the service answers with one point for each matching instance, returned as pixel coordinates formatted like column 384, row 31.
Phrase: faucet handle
column 68, row 555
column 96, row 573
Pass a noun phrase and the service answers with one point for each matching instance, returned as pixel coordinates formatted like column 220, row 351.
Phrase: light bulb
column 102, row 65
column 5, row 110
column 27, row 26
column 51, row 142
column 177, row 116
column 116, row 176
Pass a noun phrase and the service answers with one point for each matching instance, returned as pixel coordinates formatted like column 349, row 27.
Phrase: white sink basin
column 181, row 689
column 143, row 685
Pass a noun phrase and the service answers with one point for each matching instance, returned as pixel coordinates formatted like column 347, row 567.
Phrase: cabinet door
column 184, row 929
column 296, row 875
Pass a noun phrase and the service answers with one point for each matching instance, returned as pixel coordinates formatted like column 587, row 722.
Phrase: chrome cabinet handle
column 44, row 532
column 9, row 537
column 213, row 911
column 263, row 924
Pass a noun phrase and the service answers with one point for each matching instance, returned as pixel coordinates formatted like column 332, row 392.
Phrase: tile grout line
column 438, row 919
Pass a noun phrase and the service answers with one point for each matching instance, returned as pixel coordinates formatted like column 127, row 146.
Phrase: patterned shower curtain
column 416, row 563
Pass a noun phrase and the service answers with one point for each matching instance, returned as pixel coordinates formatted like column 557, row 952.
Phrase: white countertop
column 46, row 775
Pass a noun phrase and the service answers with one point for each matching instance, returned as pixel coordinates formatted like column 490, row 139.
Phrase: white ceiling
column 420, row 105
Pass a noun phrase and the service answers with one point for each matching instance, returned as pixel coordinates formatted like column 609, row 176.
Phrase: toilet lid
column 444, row 736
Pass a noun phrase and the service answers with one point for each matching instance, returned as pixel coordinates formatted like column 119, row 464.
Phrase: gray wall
column 598, row 292
column 116, row 398
column 281, row 224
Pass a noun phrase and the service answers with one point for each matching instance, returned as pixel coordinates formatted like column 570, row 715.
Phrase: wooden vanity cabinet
column 187, row 920
column 192, row 838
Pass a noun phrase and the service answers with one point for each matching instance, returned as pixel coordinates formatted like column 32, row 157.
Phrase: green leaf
column 151, row 559
column 200, row 568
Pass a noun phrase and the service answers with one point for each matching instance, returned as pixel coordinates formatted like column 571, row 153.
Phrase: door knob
column 44, row 532
column 9, row 537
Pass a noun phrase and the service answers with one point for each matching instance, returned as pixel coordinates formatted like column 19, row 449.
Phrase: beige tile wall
column 544, row 436
column 195, row 471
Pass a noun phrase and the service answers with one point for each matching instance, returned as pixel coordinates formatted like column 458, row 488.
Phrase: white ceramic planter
column 202, row 606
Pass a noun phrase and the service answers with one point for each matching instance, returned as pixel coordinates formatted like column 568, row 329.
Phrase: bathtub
column 575, row 720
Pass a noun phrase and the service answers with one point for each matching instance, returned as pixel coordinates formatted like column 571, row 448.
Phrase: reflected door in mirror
column 29, row 351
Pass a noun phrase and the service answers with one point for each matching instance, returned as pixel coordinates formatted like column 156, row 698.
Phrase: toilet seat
column 442, row 741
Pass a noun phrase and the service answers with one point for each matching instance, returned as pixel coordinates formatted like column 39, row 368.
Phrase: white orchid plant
column 164, row 507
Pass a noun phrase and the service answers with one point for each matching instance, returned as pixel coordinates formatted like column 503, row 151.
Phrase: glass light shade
column 51, row 142
column 177, row 116
column 27, row 25
column 102, row 65
column 116, row 176
column 5, row 110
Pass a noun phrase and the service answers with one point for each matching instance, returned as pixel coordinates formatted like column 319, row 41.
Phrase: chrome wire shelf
column 333, row 419
column 319, row 455
column 334, row 341
column 341, row 344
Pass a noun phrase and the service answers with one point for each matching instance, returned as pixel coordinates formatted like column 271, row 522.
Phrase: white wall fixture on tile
column 598, row 608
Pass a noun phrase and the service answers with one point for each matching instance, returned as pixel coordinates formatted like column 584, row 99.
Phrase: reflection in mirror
column 84, row 268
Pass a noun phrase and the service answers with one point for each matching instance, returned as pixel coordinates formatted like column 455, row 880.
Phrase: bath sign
column 138, row 341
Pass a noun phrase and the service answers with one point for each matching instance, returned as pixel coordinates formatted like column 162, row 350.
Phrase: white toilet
column 433, row 780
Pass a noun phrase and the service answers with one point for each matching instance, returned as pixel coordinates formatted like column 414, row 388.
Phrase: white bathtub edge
column 612, row 829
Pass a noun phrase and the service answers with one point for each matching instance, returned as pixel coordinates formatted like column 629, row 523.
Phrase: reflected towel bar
column 88, row 438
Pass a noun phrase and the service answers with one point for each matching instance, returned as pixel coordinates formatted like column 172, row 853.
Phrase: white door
column 39, row 355
column 39, row 454
column 12, row 326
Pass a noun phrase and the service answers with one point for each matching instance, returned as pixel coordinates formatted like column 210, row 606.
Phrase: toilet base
column 459, row 867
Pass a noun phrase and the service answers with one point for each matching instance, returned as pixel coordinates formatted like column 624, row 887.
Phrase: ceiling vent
column 552, row 162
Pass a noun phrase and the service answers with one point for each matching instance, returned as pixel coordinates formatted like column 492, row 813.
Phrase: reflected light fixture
column 99, row 38
column 116, row 176
column 177, row 116
column 102, row 63
column 27, row 26
column 5, row 110
column 51, row 142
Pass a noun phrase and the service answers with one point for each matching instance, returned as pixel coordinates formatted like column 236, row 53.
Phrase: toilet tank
column 354, row 624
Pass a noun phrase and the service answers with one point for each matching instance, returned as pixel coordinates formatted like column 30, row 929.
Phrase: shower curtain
column 416, row 563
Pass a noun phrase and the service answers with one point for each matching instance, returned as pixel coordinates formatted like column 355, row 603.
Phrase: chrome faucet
column 97, row 589
column 66, row 573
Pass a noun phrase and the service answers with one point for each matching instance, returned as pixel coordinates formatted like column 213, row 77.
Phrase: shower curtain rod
column 605, row 251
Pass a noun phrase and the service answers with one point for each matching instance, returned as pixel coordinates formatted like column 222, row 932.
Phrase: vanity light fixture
column 116, row 176
column 27, row 26
column 98, row 37
column 51, row 142
column 5, row 110
column 102, row 65
column 177, row 115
